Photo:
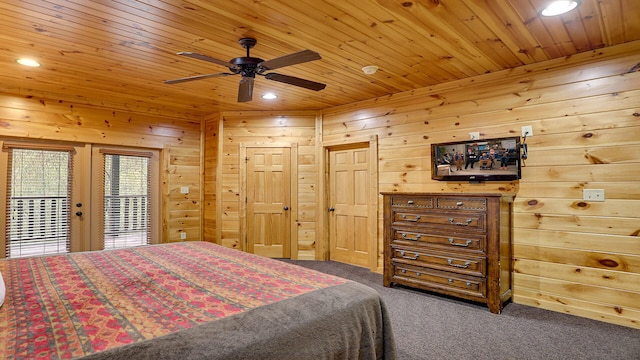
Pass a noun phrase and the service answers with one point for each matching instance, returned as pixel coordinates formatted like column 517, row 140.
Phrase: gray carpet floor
column 430, row 326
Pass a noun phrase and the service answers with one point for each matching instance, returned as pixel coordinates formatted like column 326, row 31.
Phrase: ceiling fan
column 249, row 67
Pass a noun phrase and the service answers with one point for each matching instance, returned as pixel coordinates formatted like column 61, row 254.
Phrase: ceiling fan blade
column 245, row 91
column 206, row 58
column 196, row 77
column 291, row 59
column 292, row 80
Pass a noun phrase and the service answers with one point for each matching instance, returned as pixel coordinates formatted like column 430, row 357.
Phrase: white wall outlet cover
column 593, row 194
column 527, row 131
column 184, row 189
column 183, row 235
column 474, row 135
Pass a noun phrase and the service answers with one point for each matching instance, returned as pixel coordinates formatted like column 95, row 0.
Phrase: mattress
column 190, row 300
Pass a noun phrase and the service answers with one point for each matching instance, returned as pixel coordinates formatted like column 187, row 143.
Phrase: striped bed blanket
column 72, row 305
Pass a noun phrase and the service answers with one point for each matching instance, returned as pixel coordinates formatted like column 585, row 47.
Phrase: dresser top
column 488, row 194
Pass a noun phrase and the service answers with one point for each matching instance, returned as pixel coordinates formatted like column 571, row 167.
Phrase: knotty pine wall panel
column 256, row 128
column 569, row 255
column 210, row 168
column 177, row 137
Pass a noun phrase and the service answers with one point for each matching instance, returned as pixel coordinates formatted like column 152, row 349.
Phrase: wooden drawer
column 412, row 202
column 449, row 283
column 461, row 203
column 474, row 266
column 454, row 221
column 466, row 242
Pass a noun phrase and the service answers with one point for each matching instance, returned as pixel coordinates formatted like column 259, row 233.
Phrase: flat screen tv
column 477, row 160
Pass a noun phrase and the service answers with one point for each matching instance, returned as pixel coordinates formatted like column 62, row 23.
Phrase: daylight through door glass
column 126, row 201
column 38, row 220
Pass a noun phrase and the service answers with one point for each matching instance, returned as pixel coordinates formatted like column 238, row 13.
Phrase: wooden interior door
column 268, row 201
column 349, row 232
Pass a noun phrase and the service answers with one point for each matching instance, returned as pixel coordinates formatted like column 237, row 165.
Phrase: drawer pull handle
column 418, row 274
column 466, row 223
column 459, row 203
column 466, row 244
column 405, row 236
column 414, row 257
column 450, row 281
column 468, row 284
column 403, row 271
column 466, row 264
column 410, row 202
column 416, row 218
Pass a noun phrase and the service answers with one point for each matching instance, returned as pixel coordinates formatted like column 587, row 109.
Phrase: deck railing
column 126, row 220
column 38, row 225
column 41, row 225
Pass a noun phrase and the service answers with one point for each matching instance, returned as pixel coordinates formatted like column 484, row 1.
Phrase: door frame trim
column 242, row 196
column 322, row 250
column 97, row 200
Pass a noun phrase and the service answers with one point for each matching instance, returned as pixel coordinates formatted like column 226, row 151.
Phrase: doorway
column 352, row 198
column 268, row 203
column 55, row 199
column 125, row 203
column 43, row 199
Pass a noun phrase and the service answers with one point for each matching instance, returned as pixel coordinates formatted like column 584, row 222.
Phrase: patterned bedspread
column 65, row 306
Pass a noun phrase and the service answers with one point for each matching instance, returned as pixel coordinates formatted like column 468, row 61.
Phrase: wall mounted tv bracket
column 524, row 154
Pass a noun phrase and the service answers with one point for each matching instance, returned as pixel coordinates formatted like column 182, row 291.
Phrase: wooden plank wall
column 571, row 256
column 176, row 135
column 210, row 153
column 255, row 128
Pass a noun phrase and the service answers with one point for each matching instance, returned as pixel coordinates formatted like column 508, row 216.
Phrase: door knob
column 331, row 209
column 286, row 208
column 79, row 213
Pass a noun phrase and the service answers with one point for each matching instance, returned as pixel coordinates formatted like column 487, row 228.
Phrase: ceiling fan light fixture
column 559, row 7
column 370, row 69
column 28, row 62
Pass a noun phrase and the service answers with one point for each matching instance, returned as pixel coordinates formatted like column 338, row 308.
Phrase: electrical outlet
column 527, row 131
column 184, row 189
column 593, row 194
column 474, row 135
column 183, row 235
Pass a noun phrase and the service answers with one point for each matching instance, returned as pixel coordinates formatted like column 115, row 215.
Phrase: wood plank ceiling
column 116, row 53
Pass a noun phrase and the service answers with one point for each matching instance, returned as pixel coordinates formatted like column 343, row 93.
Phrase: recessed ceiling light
column 28, row 62
column 370, row 69
column 269, row 96
column 559, row 7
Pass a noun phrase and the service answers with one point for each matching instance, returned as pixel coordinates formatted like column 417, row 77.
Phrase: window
column 38, row 202
column 126, row 200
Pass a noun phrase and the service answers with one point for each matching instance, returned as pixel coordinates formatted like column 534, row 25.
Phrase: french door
column 64, row 198
column 124, row 202
column 41, row 194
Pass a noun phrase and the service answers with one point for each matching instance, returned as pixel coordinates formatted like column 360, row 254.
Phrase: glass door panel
column 126, row 201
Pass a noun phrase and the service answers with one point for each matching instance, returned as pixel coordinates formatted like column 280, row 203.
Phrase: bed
column 190, row 300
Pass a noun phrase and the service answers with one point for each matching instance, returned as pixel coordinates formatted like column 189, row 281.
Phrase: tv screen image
column 495, row 159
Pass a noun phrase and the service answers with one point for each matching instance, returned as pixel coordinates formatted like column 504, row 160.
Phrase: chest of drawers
column 457, row 244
